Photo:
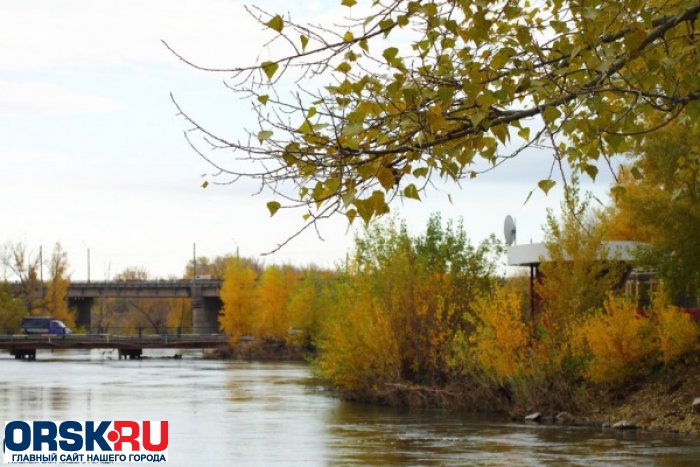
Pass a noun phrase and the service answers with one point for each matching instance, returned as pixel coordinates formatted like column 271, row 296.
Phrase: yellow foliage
column 618, row 340
column 308, row 304
column 57, row 289
column 676, row 332
column 272, row 292
column 360, row 351
column 238, row 296
column 501, row 341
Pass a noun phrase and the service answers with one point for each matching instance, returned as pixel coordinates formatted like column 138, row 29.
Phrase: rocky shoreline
column 667, row 401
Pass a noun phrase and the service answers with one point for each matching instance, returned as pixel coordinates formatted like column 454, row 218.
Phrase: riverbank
column 661, row 401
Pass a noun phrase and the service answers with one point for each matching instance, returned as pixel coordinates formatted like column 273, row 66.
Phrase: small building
column 533, row 254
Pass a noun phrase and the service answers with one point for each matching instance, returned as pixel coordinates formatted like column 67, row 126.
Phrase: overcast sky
column 93, row 155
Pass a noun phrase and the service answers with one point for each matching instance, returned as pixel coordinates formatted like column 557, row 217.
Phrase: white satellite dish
column 509, row 230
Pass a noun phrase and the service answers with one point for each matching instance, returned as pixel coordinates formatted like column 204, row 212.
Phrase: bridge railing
column 162, row 283
column 129, row 331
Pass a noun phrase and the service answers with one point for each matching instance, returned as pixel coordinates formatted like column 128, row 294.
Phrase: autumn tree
column 11, row 310
column 579, row 272
column 56, row 290
column 24, row 268
column 660, row 205
column 239, row 297
column 403, row 303
column 311, row 303
column 410, row 92
column 216, row 267
column 272, row 293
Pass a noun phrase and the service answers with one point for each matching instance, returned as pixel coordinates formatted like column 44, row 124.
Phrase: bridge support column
column 130, row 354
column 29, row 354
column 82, row 307
column 205, row 315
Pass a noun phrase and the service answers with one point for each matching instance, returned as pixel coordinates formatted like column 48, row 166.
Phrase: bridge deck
column 107, row 341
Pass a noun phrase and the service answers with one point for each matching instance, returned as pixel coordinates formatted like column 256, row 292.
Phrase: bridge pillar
column 82, row 306
column 205, row 313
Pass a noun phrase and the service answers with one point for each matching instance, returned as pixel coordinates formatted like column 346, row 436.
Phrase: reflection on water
column 238, row 413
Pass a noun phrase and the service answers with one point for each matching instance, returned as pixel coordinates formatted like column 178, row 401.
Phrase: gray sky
column 93, row 155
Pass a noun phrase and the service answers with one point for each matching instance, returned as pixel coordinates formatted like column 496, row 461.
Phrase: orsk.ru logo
column 71, row 441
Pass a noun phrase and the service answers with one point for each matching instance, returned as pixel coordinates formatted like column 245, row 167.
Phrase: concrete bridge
column 131, row 347
column 204, row 294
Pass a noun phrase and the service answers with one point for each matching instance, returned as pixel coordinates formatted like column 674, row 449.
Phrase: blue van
column 44, row 325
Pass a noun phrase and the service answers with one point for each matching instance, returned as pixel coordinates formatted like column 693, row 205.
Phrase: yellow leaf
column 273, row 207
column 264, row 135
column 269, row 68
column 276, row 23
column 386, row 178
column 546, row 185
column 411, row 192
column 501, row 132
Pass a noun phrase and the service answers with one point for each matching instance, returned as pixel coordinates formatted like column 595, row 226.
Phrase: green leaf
column 546, row 185
column 306, row 128
column 332, row 185
column 263, row 99
column 591, row 170
column 351, row 215
column 205, row 184
column 276, row 23
column 366, row 171
column 264, row 135
column 348, row 3
column 348, row 36
column 411, row 192
column 304, row 41
column 269, row 68
column 390, row 54
column 273, row 207
column 420, row 172
column 550, row 114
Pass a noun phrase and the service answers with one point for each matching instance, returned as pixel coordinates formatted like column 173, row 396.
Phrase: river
column 239, row 413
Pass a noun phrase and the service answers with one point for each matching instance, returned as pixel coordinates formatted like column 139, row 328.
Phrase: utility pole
column 41, row 271
column 194, row 261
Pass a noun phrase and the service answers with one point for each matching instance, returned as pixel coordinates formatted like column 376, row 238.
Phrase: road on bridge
column 25, row 346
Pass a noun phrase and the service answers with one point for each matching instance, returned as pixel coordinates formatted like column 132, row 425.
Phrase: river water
column 238, row 413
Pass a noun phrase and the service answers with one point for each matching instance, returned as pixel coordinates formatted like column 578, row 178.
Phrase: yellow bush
column 619, row 342
column 676, row 332
column 360, row 352
column 502, row 341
